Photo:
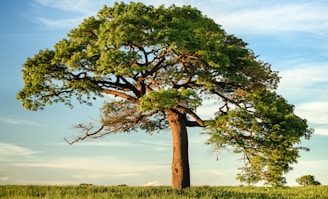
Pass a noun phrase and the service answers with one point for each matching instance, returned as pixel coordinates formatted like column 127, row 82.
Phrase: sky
column 290, row 35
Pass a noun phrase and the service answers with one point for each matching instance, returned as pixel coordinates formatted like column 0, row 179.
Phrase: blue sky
column 290, row 35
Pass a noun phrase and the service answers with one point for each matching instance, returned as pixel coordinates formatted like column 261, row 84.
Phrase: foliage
column 264, row 129
column 168, row 99
column 307, row 180
column 160, row 60
column 210, row 192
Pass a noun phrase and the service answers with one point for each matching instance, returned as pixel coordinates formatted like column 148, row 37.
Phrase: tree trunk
column 180, row 160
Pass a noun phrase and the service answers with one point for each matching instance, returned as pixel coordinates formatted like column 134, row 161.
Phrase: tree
column 307, row 180
column 159, row 65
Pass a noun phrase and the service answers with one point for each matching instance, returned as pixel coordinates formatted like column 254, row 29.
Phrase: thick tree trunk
column 180, row 161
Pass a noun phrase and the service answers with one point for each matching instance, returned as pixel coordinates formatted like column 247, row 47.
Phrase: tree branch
column 122, row 95
column 132, row 88
column 199, row 121
column 156, row 67
column 120, row 127
column 87, row 134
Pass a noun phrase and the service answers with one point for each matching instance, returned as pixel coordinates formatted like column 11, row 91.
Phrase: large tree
column 159, row 65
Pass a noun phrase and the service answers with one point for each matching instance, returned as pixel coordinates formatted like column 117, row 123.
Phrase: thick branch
column 156, row 67
column 199, row 121
column 122, row 95
column 116, row 85
column 132, row 88
column 194, row 123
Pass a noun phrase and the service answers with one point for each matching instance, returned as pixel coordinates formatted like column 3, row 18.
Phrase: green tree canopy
column 159, row 65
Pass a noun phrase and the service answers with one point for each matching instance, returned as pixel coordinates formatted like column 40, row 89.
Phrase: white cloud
column 321, row 131
column 70, row 13
column 156, row 145
column 20, row 122
column 99, row 176
column 106, row 144
column 314, row 112
column 235, row 16
column 64, row 23
column 312, row 164
column 95, row 169
column 96, row 164
column 273, row 18
column 162, row 145
column 11, row 150
column 3, row 178
column 304, row 85
column 164, row 142
column 302, row 75
column 251, row 16
column 211, row 172
column 81, row 8
column 151, row 183
column 85, row 7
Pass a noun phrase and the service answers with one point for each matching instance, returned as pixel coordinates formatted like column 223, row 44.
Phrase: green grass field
column 242, row 192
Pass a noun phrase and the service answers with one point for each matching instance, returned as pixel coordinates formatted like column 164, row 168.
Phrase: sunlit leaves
column 121, row 62
column 166, row 46
column 167, row 99
column 266, row 132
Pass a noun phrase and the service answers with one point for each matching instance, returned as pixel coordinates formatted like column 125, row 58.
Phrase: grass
column 125, row 192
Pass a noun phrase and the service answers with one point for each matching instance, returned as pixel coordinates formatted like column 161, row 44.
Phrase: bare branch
column 118, row 126
column 87, row 134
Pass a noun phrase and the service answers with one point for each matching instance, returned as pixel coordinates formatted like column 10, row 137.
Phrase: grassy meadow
column 231, row 192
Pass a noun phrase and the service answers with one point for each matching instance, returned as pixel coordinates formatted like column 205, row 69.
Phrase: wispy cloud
column 315, row 112
column 69, row 13
column 321, row 131
column 162, row 144
column 104, row 175
column 97, row 164
column 95, row 169
column 106, row 144
column 151, row 183
column 273, row 18
column 20, row 122
column 304, row 85
column 11, row 150
column 85, row 7
column 313, row 164
column 210, row 172
column 312, row 72
column 61, row 23
column 251, row 16
column 3, row 178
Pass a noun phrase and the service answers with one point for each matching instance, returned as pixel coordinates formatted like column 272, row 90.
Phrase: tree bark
column 180, row 160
